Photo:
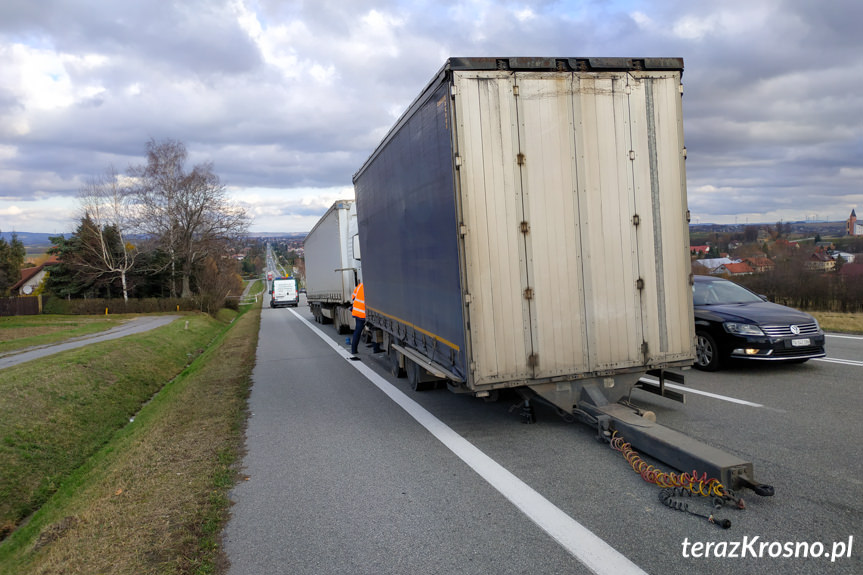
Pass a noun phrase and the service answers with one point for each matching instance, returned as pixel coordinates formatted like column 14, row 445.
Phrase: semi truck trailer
column 333, row 265
column 524, row 225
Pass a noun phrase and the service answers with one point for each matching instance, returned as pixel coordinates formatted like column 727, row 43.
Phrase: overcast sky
column 288, row 98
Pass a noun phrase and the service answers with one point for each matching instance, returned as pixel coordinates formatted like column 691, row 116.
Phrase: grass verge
column 154, row 498
column 839, row 322
column 257, row 288
column 56, row 412
column 18, row 332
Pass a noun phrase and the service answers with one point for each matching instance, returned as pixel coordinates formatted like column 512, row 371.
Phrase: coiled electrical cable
column 704, row 486
column 670, row 497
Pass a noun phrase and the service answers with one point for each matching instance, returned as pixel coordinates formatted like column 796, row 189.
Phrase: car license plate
column 800, row 342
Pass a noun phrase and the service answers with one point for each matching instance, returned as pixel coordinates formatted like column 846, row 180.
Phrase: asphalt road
column 342, row 479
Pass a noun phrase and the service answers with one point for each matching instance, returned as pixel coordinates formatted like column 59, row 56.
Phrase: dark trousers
column 358, row 331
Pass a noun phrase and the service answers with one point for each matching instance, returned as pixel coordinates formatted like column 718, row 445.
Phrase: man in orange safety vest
column 359, row 312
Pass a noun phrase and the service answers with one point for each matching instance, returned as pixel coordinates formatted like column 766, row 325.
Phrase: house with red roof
column 821, row 261
column 760, row 264
column 31, row 278
column 733, row 269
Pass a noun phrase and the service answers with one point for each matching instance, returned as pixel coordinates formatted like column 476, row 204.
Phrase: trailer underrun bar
column 662, row 443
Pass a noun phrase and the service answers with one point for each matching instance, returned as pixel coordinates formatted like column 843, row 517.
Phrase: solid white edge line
column 853, row 362
column 705, row 393
column 580, row 542
column 836, row 335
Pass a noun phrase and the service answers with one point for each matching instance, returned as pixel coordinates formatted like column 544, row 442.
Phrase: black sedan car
column 731, row 322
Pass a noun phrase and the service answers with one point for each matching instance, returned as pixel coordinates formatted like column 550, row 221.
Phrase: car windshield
column 721, row 292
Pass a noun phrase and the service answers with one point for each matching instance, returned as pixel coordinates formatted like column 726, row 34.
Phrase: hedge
column 98, row 306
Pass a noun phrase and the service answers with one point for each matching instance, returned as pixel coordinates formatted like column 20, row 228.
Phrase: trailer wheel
column 415, row 376
column 341, row 328
column 706, row 352
column 395, row 368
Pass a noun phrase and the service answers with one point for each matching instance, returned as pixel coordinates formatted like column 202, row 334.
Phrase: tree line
column 791, row 283
column 12, row 255
column 160, row 230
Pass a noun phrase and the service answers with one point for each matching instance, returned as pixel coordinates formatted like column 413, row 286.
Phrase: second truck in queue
column 333, row 265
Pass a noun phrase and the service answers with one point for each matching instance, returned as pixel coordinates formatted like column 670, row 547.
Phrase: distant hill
column 29, row 238
column 289, row 235
column 832, row 229
column 34, row 243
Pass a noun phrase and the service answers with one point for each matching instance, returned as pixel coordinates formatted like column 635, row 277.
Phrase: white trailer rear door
column 566, row 181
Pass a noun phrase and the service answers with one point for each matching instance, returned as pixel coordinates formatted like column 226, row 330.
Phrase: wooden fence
column 25, row 305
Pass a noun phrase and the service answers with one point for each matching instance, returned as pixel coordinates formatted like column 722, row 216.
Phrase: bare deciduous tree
column 106, row 251
column 218, row 279
column 188, row 212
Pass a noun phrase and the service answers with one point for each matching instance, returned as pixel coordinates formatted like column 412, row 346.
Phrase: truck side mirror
column 356, row 247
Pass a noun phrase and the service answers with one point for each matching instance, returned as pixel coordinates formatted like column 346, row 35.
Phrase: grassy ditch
column 257, row 288
column 56, row 412
column 18, row 332
column 153, row 499
column 835, row 322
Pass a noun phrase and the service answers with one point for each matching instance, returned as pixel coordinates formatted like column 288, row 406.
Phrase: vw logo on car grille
column 795, row 330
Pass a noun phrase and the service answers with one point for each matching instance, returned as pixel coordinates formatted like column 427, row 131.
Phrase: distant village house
column 31, row 278
column 760, row 264
column 733, row 269
column 821, row 261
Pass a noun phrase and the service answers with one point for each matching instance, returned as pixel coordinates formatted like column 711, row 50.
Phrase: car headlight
column 742, row 328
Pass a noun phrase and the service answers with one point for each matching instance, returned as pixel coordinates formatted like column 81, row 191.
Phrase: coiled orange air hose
column 691, row 482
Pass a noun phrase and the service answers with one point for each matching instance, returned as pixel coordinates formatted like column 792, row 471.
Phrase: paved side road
column 134, row 325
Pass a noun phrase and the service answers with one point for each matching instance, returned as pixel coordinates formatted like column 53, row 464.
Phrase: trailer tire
column 343, row 327
column 395, row 368
column 706, row 352
column 415, row 376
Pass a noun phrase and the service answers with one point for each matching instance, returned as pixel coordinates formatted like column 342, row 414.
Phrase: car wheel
column 706, row 352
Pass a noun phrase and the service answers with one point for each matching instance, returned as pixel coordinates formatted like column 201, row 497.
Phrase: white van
column 284, row 292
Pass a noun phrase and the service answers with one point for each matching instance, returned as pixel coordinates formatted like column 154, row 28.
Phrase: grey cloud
column 198, row 37
column 772, row 117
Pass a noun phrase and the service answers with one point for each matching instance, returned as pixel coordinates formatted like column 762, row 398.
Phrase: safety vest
column 359, row 299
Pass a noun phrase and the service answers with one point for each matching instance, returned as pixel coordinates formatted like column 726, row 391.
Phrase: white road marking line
column 853, row 362
column 843, row 336
column 583, row 544
column 705, row 393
